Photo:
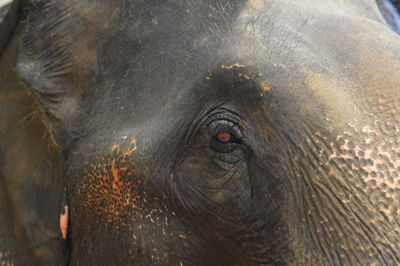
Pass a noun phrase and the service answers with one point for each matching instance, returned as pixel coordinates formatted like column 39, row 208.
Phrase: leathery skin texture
column 208, row 132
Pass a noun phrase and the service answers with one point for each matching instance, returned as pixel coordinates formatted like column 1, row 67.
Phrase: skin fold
column 258, row 132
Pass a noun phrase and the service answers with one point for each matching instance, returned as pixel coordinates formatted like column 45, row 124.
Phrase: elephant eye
column 225, row 136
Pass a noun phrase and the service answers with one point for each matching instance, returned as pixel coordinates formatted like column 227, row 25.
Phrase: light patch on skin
column 377, row 159
column 257, row 4
column 371, row 172
column 264, row 86
column 379, row 94
column 129, row 150
column 236, row 65
column 245, row 76
column 4, row 2
column 365, row 8
column 326, row 91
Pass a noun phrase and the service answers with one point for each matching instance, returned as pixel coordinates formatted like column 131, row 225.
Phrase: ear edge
column 59, row 107
column 8, row 23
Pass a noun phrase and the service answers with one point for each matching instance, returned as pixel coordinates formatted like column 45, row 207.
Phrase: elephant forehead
column 141, row 53
column 106, row 35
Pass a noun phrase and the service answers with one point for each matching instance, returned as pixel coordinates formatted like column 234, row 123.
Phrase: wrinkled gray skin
column 133, row 95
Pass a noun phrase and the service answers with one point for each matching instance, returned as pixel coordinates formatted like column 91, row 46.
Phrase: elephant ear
column 31, row 165
column 8, row 21
column 45, row 64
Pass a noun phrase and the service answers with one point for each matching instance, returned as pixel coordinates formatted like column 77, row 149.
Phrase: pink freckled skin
column 64, row 223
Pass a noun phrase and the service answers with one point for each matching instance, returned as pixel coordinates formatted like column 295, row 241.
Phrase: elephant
column 180, row 132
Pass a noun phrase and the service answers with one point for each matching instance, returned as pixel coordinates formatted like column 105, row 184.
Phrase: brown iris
column 224, row 137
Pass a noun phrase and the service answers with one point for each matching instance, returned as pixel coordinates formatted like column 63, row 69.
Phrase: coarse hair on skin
column 45, row 48
column 45, row 62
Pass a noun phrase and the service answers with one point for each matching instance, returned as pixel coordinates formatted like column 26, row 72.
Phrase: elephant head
column 257, row 132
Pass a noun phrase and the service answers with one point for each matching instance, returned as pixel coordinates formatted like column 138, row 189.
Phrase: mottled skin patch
column 109, row 188
column 367, row 178
column 113, row 192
